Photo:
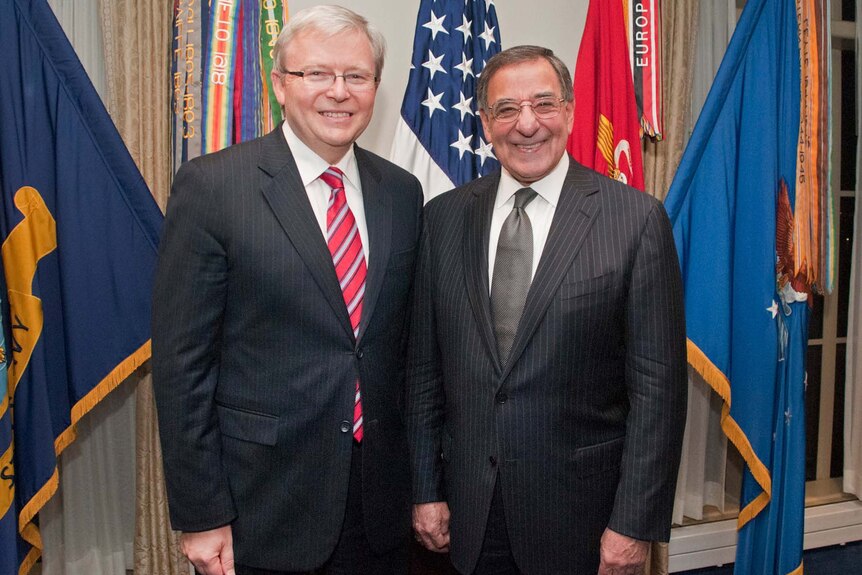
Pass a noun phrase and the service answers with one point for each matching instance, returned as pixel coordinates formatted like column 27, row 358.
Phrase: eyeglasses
column 324, row 79
column 544, row 108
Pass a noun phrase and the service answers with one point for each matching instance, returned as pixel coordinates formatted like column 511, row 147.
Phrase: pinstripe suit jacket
column 255, row 359
column 583, row 424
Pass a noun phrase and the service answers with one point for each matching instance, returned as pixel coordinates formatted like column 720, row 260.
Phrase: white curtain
column 701, row 479
column 853, row 385
column 715, row 27
column 88, row 526
column 82, row 24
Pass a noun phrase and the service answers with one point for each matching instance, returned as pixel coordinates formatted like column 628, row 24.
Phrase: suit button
column 358, row 354
column 345, row 426
column 502, row 398
column 493, row 461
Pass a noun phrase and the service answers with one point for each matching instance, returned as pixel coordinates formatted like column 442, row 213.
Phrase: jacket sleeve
column 425, row 394
column 188, row 308
column 656, row 383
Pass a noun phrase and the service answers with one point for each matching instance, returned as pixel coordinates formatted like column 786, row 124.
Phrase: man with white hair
column 278, row 323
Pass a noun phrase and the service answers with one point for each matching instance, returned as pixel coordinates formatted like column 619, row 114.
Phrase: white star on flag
column 462, row 144
column 484, row 151
column 435, row 25
column 487, row 35
column 464, row 28
column 773, row 309
column 432, row 102
column 466, row 66
column 433, row 64
column 464, row 106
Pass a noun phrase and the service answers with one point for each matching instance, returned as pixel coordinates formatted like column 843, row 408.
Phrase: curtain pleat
column 679, row 28
column 679, row 32
column 137, row 58
column 702, row 474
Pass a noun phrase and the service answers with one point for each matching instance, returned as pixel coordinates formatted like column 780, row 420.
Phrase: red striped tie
column 345, row 245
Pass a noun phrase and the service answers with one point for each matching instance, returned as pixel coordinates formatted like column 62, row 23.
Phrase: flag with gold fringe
column 8, row 532
column 79, row 232
column 221, row 64
column 736, row 205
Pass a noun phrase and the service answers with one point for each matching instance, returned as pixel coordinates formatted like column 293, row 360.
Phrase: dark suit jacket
column 254, row 359
column 583, row 424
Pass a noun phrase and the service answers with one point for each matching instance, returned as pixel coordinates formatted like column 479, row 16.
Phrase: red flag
column 606, row 133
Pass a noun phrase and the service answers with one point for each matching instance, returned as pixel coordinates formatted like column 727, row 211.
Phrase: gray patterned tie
column 513, row 270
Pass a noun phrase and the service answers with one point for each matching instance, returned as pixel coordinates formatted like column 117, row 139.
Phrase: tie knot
column 332, row 177
column 523, row 197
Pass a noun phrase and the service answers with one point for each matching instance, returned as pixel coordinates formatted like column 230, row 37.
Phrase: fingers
column 205, row 565
column 434, row 539
column 431, row 524
column 227, row 565
column 435, row 543
column 620, row 570
column 622, row 555
column 211, row 552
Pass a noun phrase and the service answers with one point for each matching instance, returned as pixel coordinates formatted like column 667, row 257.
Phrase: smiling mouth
column 336, row 115
column 529, row 147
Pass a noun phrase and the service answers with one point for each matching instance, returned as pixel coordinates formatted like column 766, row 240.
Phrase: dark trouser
column 352, row 554
column 496, row 555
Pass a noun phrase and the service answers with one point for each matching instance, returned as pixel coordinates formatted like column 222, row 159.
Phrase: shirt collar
column 310, row 165
column 548, row 187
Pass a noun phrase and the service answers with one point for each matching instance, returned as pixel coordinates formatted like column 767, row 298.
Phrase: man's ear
column 278, row 87
column 486, row 123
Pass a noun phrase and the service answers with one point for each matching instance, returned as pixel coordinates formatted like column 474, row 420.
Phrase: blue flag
column 730, row 203
column 8, row 564
column 439, row 137
column 79, row 233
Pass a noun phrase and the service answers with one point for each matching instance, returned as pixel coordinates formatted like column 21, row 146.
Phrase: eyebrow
column 348, row 70
column 533, row 97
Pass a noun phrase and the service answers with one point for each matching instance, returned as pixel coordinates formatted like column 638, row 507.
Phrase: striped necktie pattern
column 348, row 256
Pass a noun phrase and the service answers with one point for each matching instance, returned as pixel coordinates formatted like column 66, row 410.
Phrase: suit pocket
column 400, row 259
column 247, row 425
column 586, row 287
column 598, row 458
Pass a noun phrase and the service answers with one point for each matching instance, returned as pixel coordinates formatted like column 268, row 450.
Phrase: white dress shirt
column 311, row 166
column 540, row 211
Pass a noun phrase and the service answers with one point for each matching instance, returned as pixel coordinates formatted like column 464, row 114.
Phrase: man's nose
column 338, row 90
column 528, row 123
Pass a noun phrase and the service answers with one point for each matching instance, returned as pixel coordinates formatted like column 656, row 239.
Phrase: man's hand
column 621, row 555
column 211, row 552
column 431, row 524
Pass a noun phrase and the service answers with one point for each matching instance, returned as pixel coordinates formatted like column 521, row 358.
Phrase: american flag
column 439, row 137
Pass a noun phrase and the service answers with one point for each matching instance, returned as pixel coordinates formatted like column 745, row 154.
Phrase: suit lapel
column 378, row 220
column 287, row 198
column 477, row 224
column 575, row 214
